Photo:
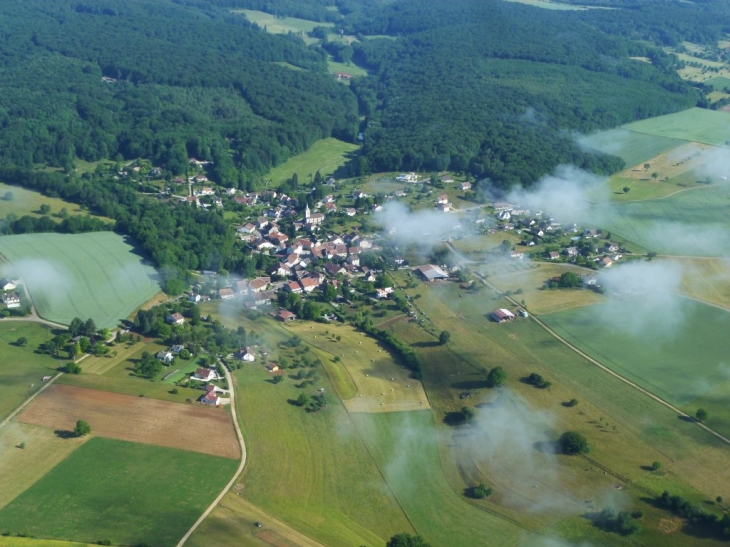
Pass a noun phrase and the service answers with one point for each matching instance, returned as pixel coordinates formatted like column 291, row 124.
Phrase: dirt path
column 241, row 465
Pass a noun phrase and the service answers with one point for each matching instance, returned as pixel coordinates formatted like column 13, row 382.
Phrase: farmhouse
column 501, row 315
column 11, row 300
column 226, row 293
column 259, row 284
column 165, row 356
column 606, row 262
column 571, row 251
column 210, row 397
column 284, row 315
column 246, row 354
column 175, row 319
column 465, row 186
column 553, row 255
column 7, row 285
column 443, row 198
column 272, row 367
column 430, row 272
column 205, row 374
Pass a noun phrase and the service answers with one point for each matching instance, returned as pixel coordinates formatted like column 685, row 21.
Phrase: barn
column 501, row 315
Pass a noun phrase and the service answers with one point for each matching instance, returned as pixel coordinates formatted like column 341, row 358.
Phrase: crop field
column 137, row 419
column 624, row 430
column 707, row 279
column 633, row 147
column 683, row 362
column 695, row 124
column 8, row 541
column 325, row 156
column 687, row 223
column 21, row 369
column 126, row 493
column 20, row 468
column 95, row 275
column 539, row 300
column 324, row 482
column 28, row 202
column 381, row 383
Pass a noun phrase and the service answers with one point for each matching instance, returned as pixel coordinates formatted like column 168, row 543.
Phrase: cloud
column 44, row 278
column 608, row 142
column 424, row 226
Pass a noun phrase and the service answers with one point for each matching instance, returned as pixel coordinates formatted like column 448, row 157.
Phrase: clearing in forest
column 138, row 419
column 326, row 156
column 94, row 275
column 21, row 201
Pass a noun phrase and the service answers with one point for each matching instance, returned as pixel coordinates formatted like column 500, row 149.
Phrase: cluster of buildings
column 10, row 298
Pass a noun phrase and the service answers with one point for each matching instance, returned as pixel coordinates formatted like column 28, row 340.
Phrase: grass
column 325, row 156
column 20, row 468
column 125, row 492
column 708, row 280
column 7, row 541
column 28, row 202
column 695, row 124
column 282, row 25
column 686, row 223
column 625, row 430
column 719, row 83
column 95, row 275
column 351, row 68
column 641, row 189
column 21, row 369
column 632, row 146
column 684, row 360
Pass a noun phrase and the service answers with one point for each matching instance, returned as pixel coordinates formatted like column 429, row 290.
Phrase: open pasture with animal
column 382, row 384
column 126, row 493
column 695, row 124
column 96, row 275
column 325, row 156
column 138, row 419
column 21, row 369
column 27, row 453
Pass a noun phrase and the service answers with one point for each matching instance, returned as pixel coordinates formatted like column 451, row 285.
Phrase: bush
column 481, row 491
column 572, row 443
column 572, row 402
column 656, row 466
column 496, row 377
column 538, row 381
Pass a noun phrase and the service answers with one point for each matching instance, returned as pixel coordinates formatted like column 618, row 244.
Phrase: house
column 501, row 315
column 504, row 215
column 165, row 356
column 353, row 259
column 502, row 206
column 611, row 247
column 259, row 284
column 571, row 251
column 226, row 293
column 210, row 398
column 272, row 367
column 606, row 262
column 177, row 348
column 445, row 207
column 293, row 286
column 383, row 293
column 334, row 269
column 446, row 179
column 284, row 315
column 517, row 254
column 407, row 177
column 11, row 300
column 350, row 212
column 430, row 272
column 308, row 284
column 175, row 319
column 241, row 285
column 205, row 374
column 443, row 198
column 465, row 186
column 359, row 195
column 553, row 255
column 7, row 285
column 246, row 354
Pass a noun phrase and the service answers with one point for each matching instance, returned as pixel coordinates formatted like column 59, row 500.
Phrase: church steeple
column 307, row 212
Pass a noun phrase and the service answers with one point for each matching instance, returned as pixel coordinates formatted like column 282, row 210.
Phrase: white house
column 11, row 300
column 246, row 354
column 166, row 357
column 204, row 374
column 7, row 285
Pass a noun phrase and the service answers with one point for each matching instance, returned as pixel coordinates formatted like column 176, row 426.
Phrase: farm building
column 465, row 186
column 11, row 300
column 226, row 293
column 430, row 272
column 284, row 316
column 7, row 285
column 175, row 319
column 166, row 357
column 501, row 315
column 246, row 354
column 272, row 367
column 205, row 374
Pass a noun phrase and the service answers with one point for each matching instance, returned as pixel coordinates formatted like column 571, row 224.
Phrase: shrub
column 573, row 443
column 481, row 491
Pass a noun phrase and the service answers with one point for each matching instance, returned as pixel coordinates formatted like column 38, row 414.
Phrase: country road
column 241, row 465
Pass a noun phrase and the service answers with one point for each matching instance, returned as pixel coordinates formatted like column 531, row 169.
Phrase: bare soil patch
column 669, row 526
column 136, row 419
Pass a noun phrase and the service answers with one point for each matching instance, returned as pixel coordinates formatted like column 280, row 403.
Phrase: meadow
column 647, row 188
column 96, row 275
column 720, row 83
column 707, row 279
column 7, row 541
column 325, row 156
column 282, row 25
column 695, row 124
column 123, row 492
column 687, row 223
column 21, row 369
column 28, row 202
column 632, row 146
column 42, row 450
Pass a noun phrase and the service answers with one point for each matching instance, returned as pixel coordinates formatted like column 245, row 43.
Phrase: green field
column 679, row 365
column 21, row 369
column 696, row 124
column 719, row 83
column 689, row 223
column 282, row 25
column 28, row 202
column 351, row 69
column 325, row 156
column 6, row 541
column 95, row 275
column 125, row 492
column 632, row 146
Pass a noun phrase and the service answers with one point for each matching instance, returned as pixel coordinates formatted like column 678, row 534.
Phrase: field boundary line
column 608, row 370
column 29, row 400
column 241, row 465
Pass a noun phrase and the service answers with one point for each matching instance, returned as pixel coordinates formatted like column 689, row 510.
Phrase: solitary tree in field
column 444, row 337
column 655, row 175
column 406, row 540
column 647, row 165
column 626, row 189
column 481, row 491
column 45, row 209
column 497, row 377
column 82, row 429
column 656, row 466
column 573, row 443
column 701, row 415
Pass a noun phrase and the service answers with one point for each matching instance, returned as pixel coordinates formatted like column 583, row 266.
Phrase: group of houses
column 10, row 298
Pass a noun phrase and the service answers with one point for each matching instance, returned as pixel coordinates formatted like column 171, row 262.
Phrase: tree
column 45, row 209
column 656, row 466
column 505, row 246
column 302, row 400
column 467, row 413
column 572, row 402
column 569, row 280
column 76, row 327
column 647, row 165
column 626, row 189
column 573, row 443
column 89, row 328
column 496, row 377
column 406, row 540
column 654, row 175
column 21, row 342
column 82, row 429
column 481, row 491
column 701, row 415
column 329, row 293
column 444, row 337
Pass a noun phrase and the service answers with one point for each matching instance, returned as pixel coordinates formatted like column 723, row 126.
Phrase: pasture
column 282, row 25
column 28, row 202
column 20, row 468
column 7, row 541
column 647, row 188
column 719, row 83
column 381, row 383
column 325, row 156
column 137, row 419
column 707, row 279
column 311, row 471
column 95, row 275
column 633, row 147
column 126, row 493
column 539, row 300
column 677, row 164
column 351, row 68
column 624, row 429
column 688, row 223
column 695, row 124
column 686, row 357
column 21, row 369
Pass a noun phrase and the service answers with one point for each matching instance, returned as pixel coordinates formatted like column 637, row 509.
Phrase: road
column 241, row 465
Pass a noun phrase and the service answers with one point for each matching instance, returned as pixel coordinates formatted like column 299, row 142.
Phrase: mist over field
column 39, row 272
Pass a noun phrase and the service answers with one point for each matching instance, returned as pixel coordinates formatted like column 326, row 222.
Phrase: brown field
column 137, row 419
column 672, row 164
